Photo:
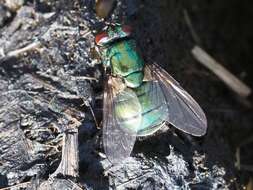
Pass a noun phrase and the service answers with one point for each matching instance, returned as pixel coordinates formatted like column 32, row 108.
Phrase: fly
column 140, row 98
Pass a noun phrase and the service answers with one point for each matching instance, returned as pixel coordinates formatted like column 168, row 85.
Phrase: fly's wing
column 183, row 111
column 118, row 142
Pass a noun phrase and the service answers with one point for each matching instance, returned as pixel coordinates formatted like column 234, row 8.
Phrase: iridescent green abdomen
column 126, row 62
column 152, row 110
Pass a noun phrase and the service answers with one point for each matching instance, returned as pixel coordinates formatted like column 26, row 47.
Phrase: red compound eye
column 101, row 38
column 127, row 29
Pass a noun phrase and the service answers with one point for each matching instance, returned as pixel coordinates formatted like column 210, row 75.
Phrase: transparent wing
column 118, row 142
column 154, row 107
column 183, row 111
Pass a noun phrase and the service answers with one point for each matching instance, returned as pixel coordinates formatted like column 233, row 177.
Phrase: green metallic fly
column 140, row 98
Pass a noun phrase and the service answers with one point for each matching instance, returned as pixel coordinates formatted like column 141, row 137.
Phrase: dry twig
column 228, row 78
column 18, row 52
column 191, row 28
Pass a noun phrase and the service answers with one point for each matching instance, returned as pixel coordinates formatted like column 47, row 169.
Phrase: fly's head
column 106, row 40
column 112, row 34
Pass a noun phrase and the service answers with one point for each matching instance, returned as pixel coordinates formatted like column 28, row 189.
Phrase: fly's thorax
column 119, row 52
column 126, row 62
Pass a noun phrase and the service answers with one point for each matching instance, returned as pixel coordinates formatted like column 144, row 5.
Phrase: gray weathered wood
column 69, row 163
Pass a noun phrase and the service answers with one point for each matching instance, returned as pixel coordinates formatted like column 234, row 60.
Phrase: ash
column 172, row 172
